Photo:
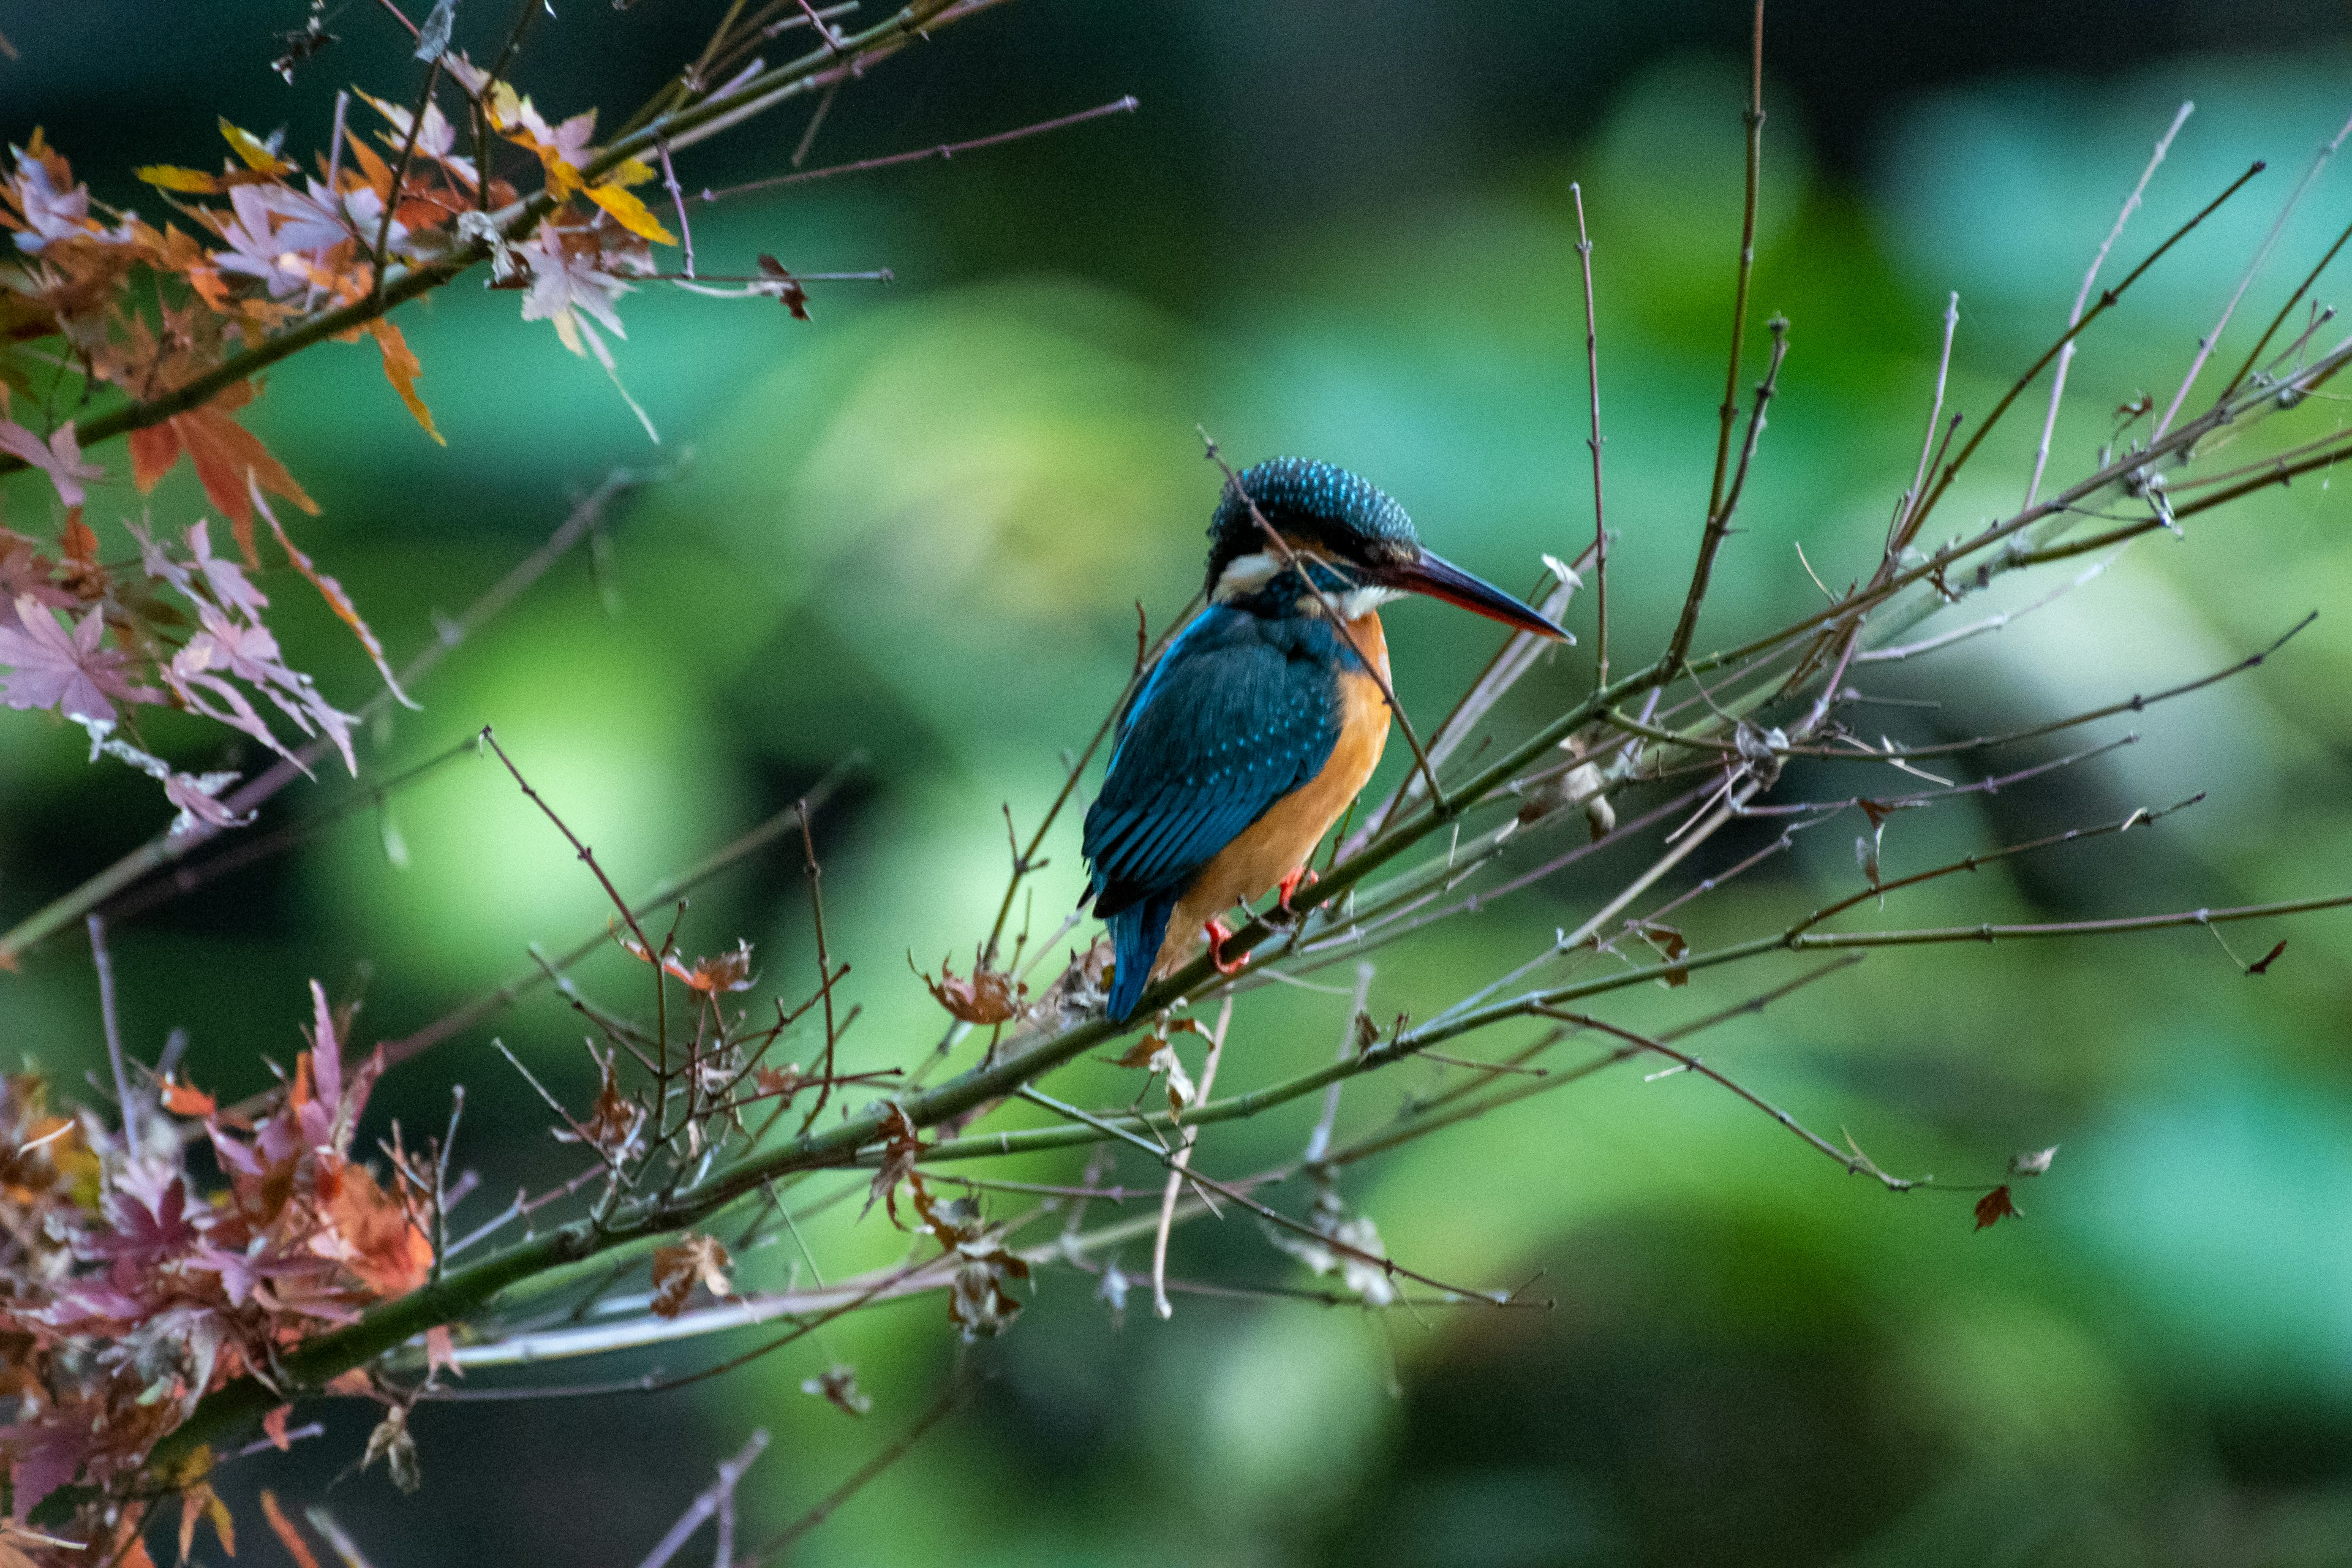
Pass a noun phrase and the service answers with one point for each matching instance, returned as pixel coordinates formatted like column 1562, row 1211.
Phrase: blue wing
column 1239, row 713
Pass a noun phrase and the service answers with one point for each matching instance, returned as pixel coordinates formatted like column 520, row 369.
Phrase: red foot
column 1217, row 936
column 1290, row 884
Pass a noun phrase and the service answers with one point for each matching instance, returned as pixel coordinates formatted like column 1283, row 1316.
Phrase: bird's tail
column 1136, row 933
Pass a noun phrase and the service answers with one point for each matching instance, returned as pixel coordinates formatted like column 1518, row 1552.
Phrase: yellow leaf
column 249, row 147
column 401, row 367
column 633, row 172
column 503, row 107
column 169, row 177
column 631, row 213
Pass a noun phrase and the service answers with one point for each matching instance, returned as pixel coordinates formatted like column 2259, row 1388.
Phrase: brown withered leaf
column 1995, row 1206
column 2262, row 964
column 788, row 288
column 723, row 972
column 901, row 1149
column 677, row 1268
column 1670, row 944
column 838, row 1387
column 612, row 1122
column 989, row 997
column 782, row 1082
column 978, row 1301
column 392, row 1443
column 729, row 971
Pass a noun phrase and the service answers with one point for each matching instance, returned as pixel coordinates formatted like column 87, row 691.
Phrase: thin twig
column 2206, row 345
column 720, row 1494
column 1728, row 413
column 1899, row 534
column 2083, row 295
column 1181, row 1163
column 677, row 199
column 400, row 175
column 1593, row 381
column 1126, row 105
column 104, row 963
column 785, row 1539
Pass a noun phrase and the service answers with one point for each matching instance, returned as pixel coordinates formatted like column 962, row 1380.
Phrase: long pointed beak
column 1440, row 579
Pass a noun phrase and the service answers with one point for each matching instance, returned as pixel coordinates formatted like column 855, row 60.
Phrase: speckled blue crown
column 1309, row 500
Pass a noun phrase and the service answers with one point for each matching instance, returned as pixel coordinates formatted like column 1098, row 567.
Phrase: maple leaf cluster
column 143, row 310
column 127, row 1294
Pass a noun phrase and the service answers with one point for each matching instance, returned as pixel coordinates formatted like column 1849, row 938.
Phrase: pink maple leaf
column 60, row 458
column 54, row 666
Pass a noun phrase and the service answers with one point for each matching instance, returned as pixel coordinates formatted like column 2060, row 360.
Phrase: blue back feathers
column 1239, row 711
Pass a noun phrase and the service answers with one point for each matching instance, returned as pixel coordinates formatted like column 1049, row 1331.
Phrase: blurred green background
column 915, row 526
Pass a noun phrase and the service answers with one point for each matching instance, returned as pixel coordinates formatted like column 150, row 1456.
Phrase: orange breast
column 1279, row 842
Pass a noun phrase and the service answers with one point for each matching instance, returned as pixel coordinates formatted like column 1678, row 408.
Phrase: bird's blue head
column 1355, row 543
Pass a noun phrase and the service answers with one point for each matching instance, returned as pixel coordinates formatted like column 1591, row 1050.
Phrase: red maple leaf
column 1995, row 1206
column 225, row 453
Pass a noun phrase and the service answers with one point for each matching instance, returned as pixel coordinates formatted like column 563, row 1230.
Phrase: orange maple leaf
column 388, row 1250
column 225, row 453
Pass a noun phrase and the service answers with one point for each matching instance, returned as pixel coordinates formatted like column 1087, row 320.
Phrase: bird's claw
column 1290, row 884
column 1218, row 936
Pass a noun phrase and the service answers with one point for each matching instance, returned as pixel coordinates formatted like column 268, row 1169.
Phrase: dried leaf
column 677, row 1268
column 788, row 288
column 401, row 367
column 901, row 1149
column 273, row 1426
column 441, row 1353
column 1865, row 855
column 1670, row 944
column 1995, row 1206
column 978, row 1301
column 392, row 1443
column 723, row 972
column 782, row 1082
column 989, row 997
column 838, row 1387
column 2262, row 964
column 612, row 1122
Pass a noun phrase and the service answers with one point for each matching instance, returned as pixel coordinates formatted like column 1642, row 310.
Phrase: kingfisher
column 1263, row 717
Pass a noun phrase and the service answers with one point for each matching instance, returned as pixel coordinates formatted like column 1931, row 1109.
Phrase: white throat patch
column 1356, row 602
column 1245, row 574
column 1248, row 573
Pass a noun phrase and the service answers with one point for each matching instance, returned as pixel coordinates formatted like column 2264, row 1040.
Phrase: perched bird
column 1263, row 719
